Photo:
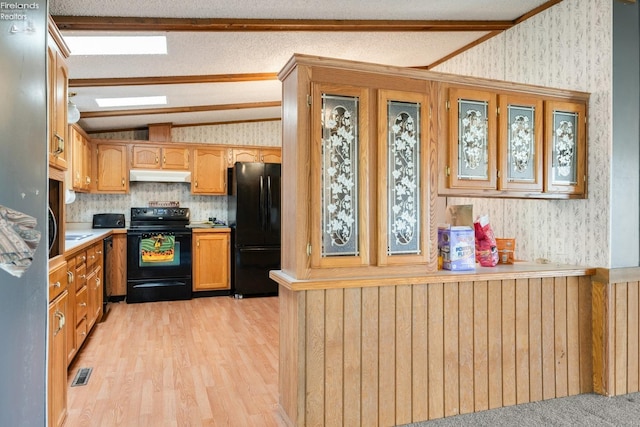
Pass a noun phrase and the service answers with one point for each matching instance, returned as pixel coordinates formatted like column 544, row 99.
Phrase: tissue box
column 457, row 247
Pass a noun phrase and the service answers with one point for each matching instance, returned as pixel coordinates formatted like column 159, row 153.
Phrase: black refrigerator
column 254, row 218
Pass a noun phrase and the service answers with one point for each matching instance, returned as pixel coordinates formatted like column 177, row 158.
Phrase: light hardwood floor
column 203, row 362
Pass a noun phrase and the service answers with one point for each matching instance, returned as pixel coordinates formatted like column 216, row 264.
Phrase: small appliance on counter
column 108, row 220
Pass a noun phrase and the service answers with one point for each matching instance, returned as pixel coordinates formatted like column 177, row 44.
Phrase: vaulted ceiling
column 223, row 57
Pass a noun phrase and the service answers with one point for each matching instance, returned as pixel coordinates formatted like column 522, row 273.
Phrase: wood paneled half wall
column 399, row 353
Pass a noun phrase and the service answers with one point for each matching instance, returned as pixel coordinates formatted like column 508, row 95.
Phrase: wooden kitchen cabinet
column 58, row 82
column 95, row 262
column 112, row 172
column 71, row 302
column 58, row 329
column 211, row 262
column 473, row 121
column 271, row 155
column 512, row 142
column 242, row 154
column 254, row 154
column 159, row 157
column 566, row 148
column 80, row 159
column 116, row 276
column 364, row 192
column 57, row 387
column 85, row 269
column 209, row 175
column 520, row 143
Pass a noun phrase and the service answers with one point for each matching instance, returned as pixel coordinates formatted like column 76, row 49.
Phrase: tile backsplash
column 141, row 193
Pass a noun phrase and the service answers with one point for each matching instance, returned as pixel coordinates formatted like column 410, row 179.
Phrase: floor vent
column 82, row 377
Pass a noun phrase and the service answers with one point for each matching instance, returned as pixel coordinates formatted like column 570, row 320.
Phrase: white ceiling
column 236, row 52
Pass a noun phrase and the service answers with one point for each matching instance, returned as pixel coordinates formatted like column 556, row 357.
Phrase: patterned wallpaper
column 141, row 193
column 567, row 46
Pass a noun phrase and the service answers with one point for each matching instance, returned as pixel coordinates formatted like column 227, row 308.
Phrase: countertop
column 518, row 270
column 86, row 237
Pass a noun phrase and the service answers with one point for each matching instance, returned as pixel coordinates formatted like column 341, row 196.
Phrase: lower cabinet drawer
column 81, row 331
column 81, row 304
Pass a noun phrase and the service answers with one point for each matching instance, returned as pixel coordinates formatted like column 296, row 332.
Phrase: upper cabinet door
column 175, row 158
column 565, row 150
column 472, row 139
column 145, row 157
column 403, row 171
column 520, row 143
column 209, row 171
column 339, row 189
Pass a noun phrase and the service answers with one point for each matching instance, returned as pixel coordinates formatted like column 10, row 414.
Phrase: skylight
column 132, row 101
column 117, row 45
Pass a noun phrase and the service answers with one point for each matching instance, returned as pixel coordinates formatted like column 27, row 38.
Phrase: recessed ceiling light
column 117, row 45
column 131, row 101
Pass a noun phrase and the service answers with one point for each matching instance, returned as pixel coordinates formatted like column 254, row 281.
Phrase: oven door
column 158, row 254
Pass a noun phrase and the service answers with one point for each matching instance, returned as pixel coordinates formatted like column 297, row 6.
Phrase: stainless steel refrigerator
column 254, row 218
column 23, row 189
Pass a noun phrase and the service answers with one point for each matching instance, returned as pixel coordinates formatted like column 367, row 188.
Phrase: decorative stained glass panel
column 521, row 139
column 473, row 147
column 339, row 175
column 565, row 149
column 403, row 180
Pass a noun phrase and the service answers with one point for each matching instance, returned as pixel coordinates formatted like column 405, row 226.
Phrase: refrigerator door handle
column 268, row 208
column 261, row 213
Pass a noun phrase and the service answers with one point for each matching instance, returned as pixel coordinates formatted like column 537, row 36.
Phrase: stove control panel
column 170, row 214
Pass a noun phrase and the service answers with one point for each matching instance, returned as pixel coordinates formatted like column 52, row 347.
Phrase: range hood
column 153, row 175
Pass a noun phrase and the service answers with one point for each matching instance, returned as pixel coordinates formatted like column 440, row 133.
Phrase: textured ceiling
column 237, row 52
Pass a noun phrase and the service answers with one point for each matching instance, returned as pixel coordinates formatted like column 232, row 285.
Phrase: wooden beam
column 174, row 110
column 172, row 80
column 117, row 23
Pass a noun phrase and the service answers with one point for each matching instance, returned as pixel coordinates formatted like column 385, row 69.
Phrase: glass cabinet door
column 520, row 143
column 566, row 147
column 339, row 167
column 402, row 178
column 472, row 139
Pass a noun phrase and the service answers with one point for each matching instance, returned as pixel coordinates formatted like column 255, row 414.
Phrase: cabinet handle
column 61, row 320
column 56, row 285
column 60, row 148
column 69, row 276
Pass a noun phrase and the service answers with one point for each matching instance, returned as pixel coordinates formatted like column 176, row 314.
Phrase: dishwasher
column 106, row 286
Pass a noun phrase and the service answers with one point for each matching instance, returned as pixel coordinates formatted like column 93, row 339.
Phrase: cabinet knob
column 196, row 184
column 123, row 182
column 83, row 304
column 156, row 159
column 57, row 285
column 164, row 160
